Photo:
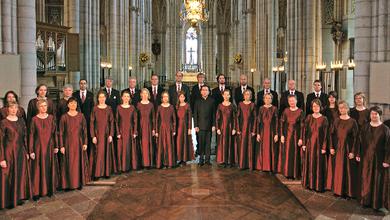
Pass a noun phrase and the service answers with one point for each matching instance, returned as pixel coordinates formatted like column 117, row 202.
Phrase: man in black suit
column 204, row 119
column 216, row 93
column 176, row 88
column 291, row 91
column 113, row 95
column 155, row 91
column 238, row 97
column 267, row 89
column 317, row 94
column 195, row 91
column 134, row 92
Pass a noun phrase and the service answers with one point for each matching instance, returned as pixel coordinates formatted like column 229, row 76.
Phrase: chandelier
column 194, row 11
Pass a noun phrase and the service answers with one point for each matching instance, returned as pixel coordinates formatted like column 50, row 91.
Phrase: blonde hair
column 361, row 94
column 343, row 103
column 147, row 91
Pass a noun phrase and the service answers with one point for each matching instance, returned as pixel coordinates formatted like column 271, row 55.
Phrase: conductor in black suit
column 113, row 95
column 204, row 120
column 291, row 91
column 134, row 92
column 155, row 91
column 317, row 94
column 217, row 92
column 195, row 91
column 267, row 89
column 238, row 92
column 176, row 88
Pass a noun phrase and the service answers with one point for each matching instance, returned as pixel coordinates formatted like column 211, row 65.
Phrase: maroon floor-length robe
column 15, row 178
column 74, row 163
column 165, row 127
column 331, row 114
column 361, row 117
column 146, row 120
column 184, row 147
column 291, row 125
column 374, row 150
column 32, row 109
column 21, row 113
column 44, row 168
column 267, row 151
column 344, row 137
column 246, row 125
column 314, row 137
column 102, row 159
column 128, row 154
column 225, row 121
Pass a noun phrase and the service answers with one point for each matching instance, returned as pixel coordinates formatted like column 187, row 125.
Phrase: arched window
column 191, row 47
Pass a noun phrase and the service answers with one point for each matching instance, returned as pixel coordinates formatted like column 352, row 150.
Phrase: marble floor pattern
column 193, row 192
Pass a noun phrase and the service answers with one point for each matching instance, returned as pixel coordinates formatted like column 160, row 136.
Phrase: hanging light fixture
column 194, row 11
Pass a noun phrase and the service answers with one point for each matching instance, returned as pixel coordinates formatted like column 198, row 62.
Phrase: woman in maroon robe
column 360, row 113
column 14, row 173
column 11, row 96
column 331, row 113
column 226, row 129
column 102, row 155
column 146, row 129
column 73, row 140
column 343, row 139
column 32, row 109
column 62, row 106
column 374, row 156
column 314, row 137
column 267, row 152
column 246, row 130
column 43, row 149
column 291, row 125
column 165, row 133
column 184, row 147
column 127, row 131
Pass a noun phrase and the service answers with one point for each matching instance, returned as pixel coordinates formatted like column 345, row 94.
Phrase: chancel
column 194, row 109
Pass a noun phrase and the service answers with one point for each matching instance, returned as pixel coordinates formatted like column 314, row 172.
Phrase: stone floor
column 193, row 193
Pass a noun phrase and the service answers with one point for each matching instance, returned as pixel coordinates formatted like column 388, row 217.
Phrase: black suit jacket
column 311, row 97
column 173, row 94
column 260, row 101
column 204, row 113
column 156, row 101
column 113, row 100
column 284, row 101
column 195, row 95
column 217, row 95
column 134, row 98
column 238, row 97
column 86, row 107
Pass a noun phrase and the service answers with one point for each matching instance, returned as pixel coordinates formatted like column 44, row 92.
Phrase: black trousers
column 204, row 145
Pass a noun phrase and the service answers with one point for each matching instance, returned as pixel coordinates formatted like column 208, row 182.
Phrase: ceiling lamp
column 194, row 11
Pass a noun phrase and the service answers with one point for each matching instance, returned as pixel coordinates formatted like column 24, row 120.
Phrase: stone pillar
column 26, row 44
column 6, row 26
column 41, row 11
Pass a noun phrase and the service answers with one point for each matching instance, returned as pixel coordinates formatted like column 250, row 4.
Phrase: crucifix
column 191, row 51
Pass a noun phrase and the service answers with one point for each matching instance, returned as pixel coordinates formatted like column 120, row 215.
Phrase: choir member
column 267, row 150
column 195, row 91
column 291, row 125
column 155, row 89
column 177, row 87
column 146, row 129
column 291, row 91
column 343, row 140
column 102, row 155
column 239, row 91
column 204, row 121
column 314, row 137
column 216, row 93
column 11, row 96
column 184, row 147
column 246, row 130
column 165, row 133
column 332, row 113
column 317, row 94
column 267, row 89
column 226, row 129
column 14, row 173
column 374, row 156
column 127, row 132
column 113, row 95
column 134, row 92
column 73, row 142
column 32, row 109
column 43, row 149
column 360, row 113
column 62, row 107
